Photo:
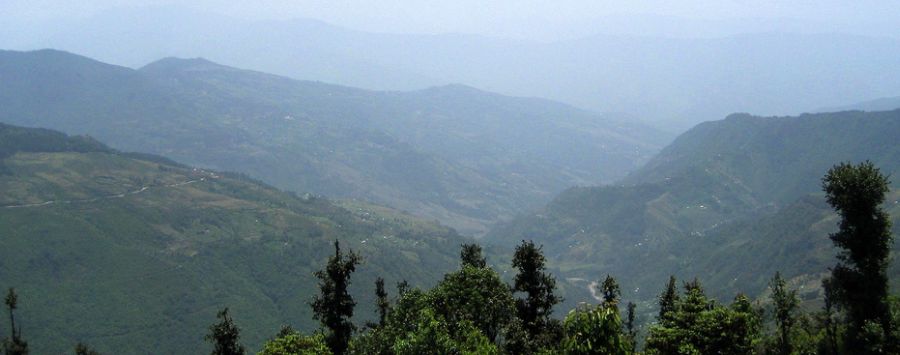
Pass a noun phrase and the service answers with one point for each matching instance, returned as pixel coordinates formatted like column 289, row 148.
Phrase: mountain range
column 453, row 153
column 676, row 82
column 729, row 202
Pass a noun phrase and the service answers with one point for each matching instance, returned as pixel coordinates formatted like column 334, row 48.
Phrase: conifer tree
column 14, row 345
column 667, row 301
column 610, row 290
column 225, row 336
column 333, row 307
column 381, row 301
column 532, row 279
column 631, row 331
column 864, row 237
column 785, row 302
column 470, row 255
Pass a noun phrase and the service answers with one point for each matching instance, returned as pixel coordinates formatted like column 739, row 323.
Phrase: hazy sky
column 515, row 18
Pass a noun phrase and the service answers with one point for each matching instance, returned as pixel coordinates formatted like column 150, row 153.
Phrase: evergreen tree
column 224, row 335
column 381, row 301
column 477, row 296
column 610, row 290
column 864, row 237
column 333, row 307
column 667, row 301
column 14, row 345
column 471, row 256
column 532, row 279
column 785, row 302
column 631, row 331
column 699, row 325
column 594, row 330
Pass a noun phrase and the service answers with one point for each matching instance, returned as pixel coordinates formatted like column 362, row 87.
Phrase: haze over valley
column 514, row 181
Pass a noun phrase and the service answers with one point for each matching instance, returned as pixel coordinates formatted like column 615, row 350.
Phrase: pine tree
column 630, row 327
column 667, row 301
column 785, row 302
column 225, row 335
column 864, row 237
column 381, row 301
column 532, row 279
column 610, row 290
column 471, row 256
column 333, row 307
column 14, row 345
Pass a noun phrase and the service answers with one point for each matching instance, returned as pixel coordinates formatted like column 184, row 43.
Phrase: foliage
column 333, row 307
column 432, row 335
column 475, row 295
column 668, row 301
column 864, row 237
column 594, row 330
column 381, row 301
column 785, row 302
column 631, row 327
column 535, row 308
column 294, row 343
column 225, row 336
column 470, row 255
column 699, row 325
column 610, row 291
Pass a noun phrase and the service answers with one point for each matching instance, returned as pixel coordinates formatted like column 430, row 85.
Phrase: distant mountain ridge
column 881, row 104
column 729, row 201
column 676, row 82
column 453, row 153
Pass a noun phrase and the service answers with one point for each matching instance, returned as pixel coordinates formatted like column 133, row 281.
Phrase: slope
column 453, row 153
column 134, row 254
column 730, row 201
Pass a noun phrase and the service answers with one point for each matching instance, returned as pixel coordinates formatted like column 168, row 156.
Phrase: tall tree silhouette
column 381, row 301
column 785, row 302
column 668, row 301
column 333, row 307
column 864, row 237
column 14, row 345
column 535, row 308
column 610, row 291
column 225, row 335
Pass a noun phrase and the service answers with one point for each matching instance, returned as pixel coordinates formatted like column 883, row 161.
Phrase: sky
column 520, row 18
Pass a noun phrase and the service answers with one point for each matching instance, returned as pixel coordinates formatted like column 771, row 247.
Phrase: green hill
column 730, row 202
column 134, row 254
column 452, row 153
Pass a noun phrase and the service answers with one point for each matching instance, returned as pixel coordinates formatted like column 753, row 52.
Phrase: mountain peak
column 169, row 64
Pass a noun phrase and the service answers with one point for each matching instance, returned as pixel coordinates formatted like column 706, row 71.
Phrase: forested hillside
column 730, row 202
column 452, row 153
column 135, row 254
